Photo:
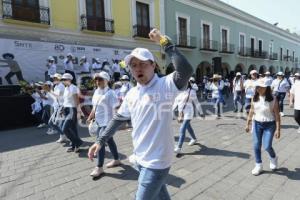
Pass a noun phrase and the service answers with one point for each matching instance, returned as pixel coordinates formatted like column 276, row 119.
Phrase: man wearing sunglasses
column 149, row 106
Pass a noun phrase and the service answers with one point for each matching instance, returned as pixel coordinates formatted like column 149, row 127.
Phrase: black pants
column 73, row 74
column 297, row 116
column 11, row 74
column 116, row 76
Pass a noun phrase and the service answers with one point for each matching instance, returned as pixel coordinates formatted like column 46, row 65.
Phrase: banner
column 32, row 56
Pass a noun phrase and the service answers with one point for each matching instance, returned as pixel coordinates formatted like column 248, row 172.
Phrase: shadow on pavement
column 207, row 151
column 83, row 154
column 289, row 126
column 292, row 175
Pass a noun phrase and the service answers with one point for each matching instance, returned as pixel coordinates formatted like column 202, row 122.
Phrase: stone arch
column 287, row 71
column 239, row 68
column 251, row 67
column 225, row 70
column 203, row 69
column 272, row 70
column 262, row 69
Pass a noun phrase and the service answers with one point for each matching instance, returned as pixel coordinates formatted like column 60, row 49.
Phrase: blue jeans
column 69, row 126
column 238, row 98
column 186, row 125
column 46, row 114
column 217, row 102
column 247, row 104
column 263, row 133
column 112, row 146
column 152, row 184
column 280, row 98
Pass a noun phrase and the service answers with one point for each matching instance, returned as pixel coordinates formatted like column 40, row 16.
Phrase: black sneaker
column 70, row 149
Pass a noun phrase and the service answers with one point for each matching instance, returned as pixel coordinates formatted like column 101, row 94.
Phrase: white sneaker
column 257, row 169
column 41, row 125
column 281, row 114
column 274, row 163
column 51, row 131
column 97, row 172
column 192, row 142
column 177, row 150
column 62, row 139
column 298, row 130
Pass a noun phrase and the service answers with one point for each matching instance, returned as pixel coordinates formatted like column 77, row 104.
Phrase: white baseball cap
column 103, row 75
column 57, row 75
column 267, row 73
column 139, row 53
column 69, row 54
column 280, row 74
column 297, row 74
column 261, row 83
column 238, row 74
column 98, row 60
column 253, row 72
column 83, row 57
column 124, row 77
column 50, row 58
column 192, row 79
column 67, row 76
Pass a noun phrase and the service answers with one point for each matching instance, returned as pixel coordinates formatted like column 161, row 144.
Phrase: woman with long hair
column 264, row 114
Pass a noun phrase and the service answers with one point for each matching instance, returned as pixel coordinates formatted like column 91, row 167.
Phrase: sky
column 285, row 12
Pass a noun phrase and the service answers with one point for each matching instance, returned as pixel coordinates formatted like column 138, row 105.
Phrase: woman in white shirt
column 104, row 103
column 238, row 87
column 249, row 86
column 216, row 87
column 295, row 99
column 85, row 66
column 264, row 114
column 51, row 68
column 70, row 104
column 185, row 102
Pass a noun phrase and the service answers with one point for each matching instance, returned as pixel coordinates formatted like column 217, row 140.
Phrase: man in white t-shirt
column 149, row 106
column 116, row 71
column 249, row 86
column 85, row 66
column 295, row 99
column 238, row 88
column 51, row 66
column 69, row 67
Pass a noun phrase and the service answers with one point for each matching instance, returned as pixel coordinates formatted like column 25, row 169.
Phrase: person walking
column 69, row 112
column 104, row 104
column 51, row 69
column 249, row 86
column 69, row 67
column 295, row 99
column 14, row 68
column 264, row 114
column 238, row 88
column 149, row 105
column 216, row 87
column 280, row 87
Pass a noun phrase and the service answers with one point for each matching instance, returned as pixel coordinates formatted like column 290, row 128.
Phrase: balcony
column 35, row 14
column 141, row 31
column 184, row 41
column 208, row 45
column 273, row 56
column 99, row 24
column 287, row 58
column 227, row 48
column 242, row 52
column 256, row 53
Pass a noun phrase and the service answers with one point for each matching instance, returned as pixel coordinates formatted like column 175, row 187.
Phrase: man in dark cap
column 14, row 68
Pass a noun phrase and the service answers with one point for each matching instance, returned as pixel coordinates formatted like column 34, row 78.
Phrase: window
column 252, row 44
column 271, row 48
column 206, row 36
column 281, row 53
column 142, row 27
column 287, row 55
column 242, row 44
column 293, row 59
column 27, row 10
column 182, row 24
column 260, row 46
column 224, row 41
column 95, row 15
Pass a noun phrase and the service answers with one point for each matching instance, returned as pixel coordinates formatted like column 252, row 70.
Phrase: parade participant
column 249, row 86
column 185, row 103
column 238, row 88
column 70, row 104
column 280, row 87
column 116, row 71
column 268, row 78
column 69, row 67
column 51, row 66
column 104, row 103
column 14, row 68
column 264, row 114
column 192, row 82
column 85, row 66
column 216, row 87
column 295, row 99
column 96, row 65
column 56, row 119
column 153, row 151
column 126, row 86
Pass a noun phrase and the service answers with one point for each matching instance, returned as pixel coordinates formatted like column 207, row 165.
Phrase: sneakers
column 281, row 114
column 298, row 130
column 113, row 163
column 76, row 149
column 97, row 172
column 43, row 125
column 70, row 149
column 62, row 139
column 274, row 163
column 192, row 142
column 177, row 150
column 257, row 169
column 51, row 131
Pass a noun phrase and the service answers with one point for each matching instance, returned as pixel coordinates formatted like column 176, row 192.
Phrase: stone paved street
column 33, row 166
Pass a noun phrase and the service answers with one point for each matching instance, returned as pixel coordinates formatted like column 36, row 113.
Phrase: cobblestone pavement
column 33, row 166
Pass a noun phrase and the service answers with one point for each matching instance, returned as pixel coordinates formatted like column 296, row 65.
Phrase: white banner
column 32, row 56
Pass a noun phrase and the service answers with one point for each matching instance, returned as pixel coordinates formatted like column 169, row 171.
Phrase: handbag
column 181, row 114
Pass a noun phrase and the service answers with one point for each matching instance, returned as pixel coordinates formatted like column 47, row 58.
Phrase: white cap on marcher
column 83, row 57
column 238, row 74
column 267, row 73
column 192, row 79
column 253, row 72
column 280, row 74
column 57, row 75
column 103, row 75
column 67, row 76
column 50, row 58
column 48, row 83
column 261, row 83
column 98, row 60
column 69, row 54
column 297, row 74
column 124, row 77
column 139, row 53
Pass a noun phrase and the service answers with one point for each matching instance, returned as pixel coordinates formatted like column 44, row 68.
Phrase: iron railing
column 141, row 31
column 185, row 41
column 227, row 48
column 97, row 24
column 208, row 45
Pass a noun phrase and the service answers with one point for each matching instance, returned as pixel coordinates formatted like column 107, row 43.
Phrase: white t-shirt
column 125, row 88
column 85, row 67
column 150, row 109
column 249, row 86
column 48, row 101
column 69, row 93
column 104, row 101
column 216, row 88
column 68, row 66
column 263, row 110
column 296, row 92
column 237, row 85
column 59, row 91
column 96, row 66
column 280, row 85
column 181, row 100
column 116, row 68
column 268, row 80
column 52, row 70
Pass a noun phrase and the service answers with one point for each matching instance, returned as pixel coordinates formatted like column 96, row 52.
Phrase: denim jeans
column 217, row 102
column 46, row 114
column 280, row 98
column 297, row 116
column 152, row 184
column 186, row 125
column 69, row 126
column 263, row 133
column 238, row 98
column 112, row 146
column 247, row 104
